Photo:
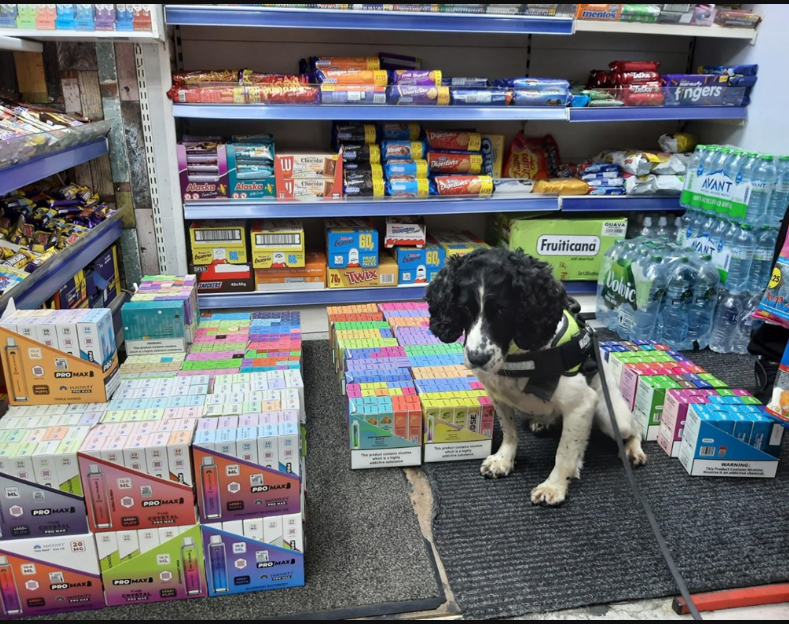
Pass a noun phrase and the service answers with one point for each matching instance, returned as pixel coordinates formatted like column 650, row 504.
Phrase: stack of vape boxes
column 48, row 559
column 162, row 316
column 713, row 430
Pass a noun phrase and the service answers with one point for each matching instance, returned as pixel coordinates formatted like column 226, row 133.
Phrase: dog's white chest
column 510, row 390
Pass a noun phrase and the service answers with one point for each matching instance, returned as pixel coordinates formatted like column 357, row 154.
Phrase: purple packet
column 416, row 95
column 420, row 77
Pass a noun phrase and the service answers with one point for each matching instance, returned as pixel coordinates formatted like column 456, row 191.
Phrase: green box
column 717, row 383
column 648, row 410
column 573, row 247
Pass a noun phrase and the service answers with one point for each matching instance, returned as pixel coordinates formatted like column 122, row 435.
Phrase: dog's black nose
column 478, row 359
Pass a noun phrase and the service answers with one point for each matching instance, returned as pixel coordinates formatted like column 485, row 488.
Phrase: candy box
column 221, row 277
column 385, row 274
column 254, row 554
column 419, row 266
column 311, row 276
column 224, row 241
column 602, row 12
column 201, row 184
column 405, row 232
column 456, row 243
column 573, row 247
column 277, row 244
column 243, row 188
column 351, row 243
column 711, row 447
column 73, row 294
column 152, row 565
column 46, row 576
column 324, row 169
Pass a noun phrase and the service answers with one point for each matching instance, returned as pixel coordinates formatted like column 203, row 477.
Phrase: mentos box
column 277, row 244
column 351, row 243
column 152, row 565
column 573, row 247
column 44, row 576
column 419, row 266
column 254, row 554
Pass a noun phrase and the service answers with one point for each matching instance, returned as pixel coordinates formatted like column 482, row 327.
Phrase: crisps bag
column 535, row 158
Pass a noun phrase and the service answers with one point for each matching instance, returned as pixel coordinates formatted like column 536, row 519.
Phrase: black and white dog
column 508, row 303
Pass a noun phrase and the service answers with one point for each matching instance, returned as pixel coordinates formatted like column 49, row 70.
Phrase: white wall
column 767, row 128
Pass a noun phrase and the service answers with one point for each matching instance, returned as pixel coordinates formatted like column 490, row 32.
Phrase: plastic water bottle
column 676, row 229
column 742, row 245
column 623, row 320
column 684, row 230
column 705, row 297
column 692, row 173
column 745, row 322
column 605, row 315
column 634, row 225
column 679, row 294
column 648, row 230
column 650, row 276
column 762, row 265
column 779, row 200
column 762, row 177
column 724, row 326
column 663, row 229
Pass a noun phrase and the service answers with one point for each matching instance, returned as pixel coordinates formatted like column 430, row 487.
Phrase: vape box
column 405, row 232
column 277, row 244
column 37, row 374
column 262, row 554
column 351, row 243
column 711, row 448
column 65, row 19
column 104, row 16
column 124, row 17
column 83, row 17
column 222, row 277
column 649, row 404
column 153, row 565
column 152, row 327
column 180, row 288
column 419, row 266
column 457, row 428
column 384, row 431
column 49, row 575
column 672, row 426
column 231, row 488
column 207, row 177
column 311, row 276
column 218, row 241
column 385, row 275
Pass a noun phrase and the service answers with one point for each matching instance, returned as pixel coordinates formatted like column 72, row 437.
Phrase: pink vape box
column 675, row 411
column 628, row 382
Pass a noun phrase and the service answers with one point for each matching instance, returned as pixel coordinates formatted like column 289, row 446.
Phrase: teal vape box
column 152, row 327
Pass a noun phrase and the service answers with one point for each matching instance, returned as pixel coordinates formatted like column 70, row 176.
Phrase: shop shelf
column 329, row 112
column 675, row 30
column 45, row 282
column 249, row 16
column 632, row 203
column 657, row 113
column 28, row 171
column 339, row 296
column 251, row 209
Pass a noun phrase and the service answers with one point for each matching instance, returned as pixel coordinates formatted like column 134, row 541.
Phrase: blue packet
column 532, row 83
column 607, row 190
column 555, row 96
column 489, row 97
column 410, row 187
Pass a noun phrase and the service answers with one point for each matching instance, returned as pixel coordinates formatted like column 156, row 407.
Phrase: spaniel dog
column 508, row 303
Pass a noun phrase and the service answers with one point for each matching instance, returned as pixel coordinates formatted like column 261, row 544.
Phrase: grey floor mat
column 365, row 552
column 505, row 558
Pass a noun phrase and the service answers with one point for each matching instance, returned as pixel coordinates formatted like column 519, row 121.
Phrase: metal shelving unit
column 247, row 16
column 29, row 171
column 657, row 113
column 339, row 296
column 47, row 280
column 633, row 203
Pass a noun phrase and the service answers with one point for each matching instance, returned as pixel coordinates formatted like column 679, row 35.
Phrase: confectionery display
column 120, row 17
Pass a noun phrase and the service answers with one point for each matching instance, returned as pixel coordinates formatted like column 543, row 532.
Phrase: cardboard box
column 457, row 427
column 456, row 243
column 46, row 576
column 73, row 294
column 385, row 274
column 710, row 448
column 103, row 280
column 152, row 327
column 223, row 241
column 152, row 565
column 248, row 189
column 277, row 244
column 39, row 374
column 351, row 243
column 202, row 170
column 405, row 232
column 178, row 288
column 221, row 277
column 261, row 554
column 672, row 426
column 573, row 247
column 308, row 177
column 649, row 404
column 311, row 275
column 419, row 266
column 600, row 12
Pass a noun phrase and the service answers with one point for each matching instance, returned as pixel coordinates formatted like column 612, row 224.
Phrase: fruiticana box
column 573, row 247
column 44, row 576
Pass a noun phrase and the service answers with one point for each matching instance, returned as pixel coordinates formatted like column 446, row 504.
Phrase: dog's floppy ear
column 446, row 322
column 541, row 302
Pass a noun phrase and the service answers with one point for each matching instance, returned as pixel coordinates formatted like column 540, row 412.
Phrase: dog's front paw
column 549, row 494
column 497, row 466
column 538, row 428
column 635, row 453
